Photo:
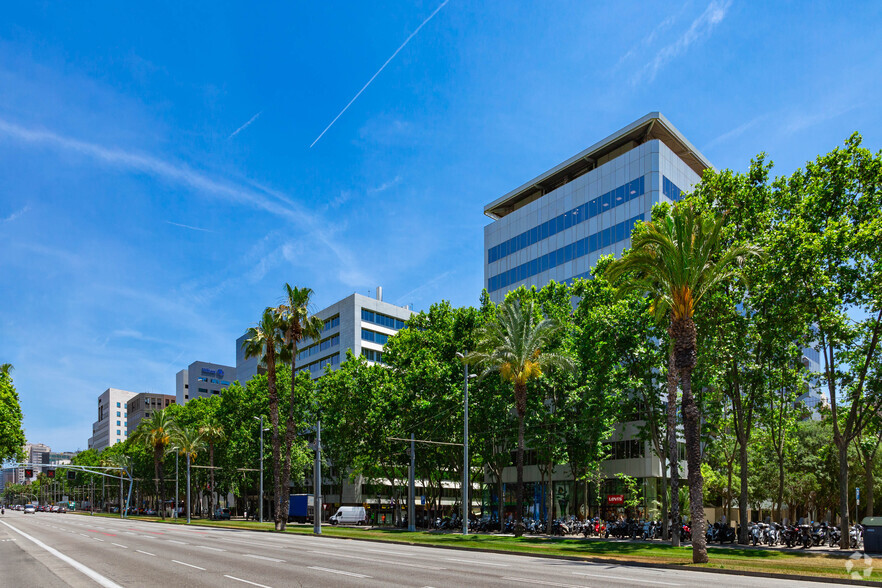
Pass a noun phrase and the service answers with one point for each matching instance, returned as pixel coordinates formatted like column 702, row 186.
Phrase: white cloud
column 699, row 30
column 385, row 185
column 15, row 214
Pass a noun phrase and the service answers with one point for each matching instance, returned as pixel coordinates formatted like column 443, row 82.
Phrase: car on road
column 222, row 514
column 29, row 508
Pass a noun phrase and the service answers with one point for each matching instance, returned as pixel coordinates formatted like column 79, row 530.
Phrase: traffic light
column 50, row 473
column 29, row 473
column 71, row 475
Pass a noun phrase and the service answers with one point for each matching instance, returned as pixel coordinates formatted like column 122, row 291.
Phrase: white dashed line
column 118, row 545
column 330, row 571
column 263, row 557
column 543, row 582
column 186, row 564
column 178, row 542
column 145, row 553
column 211, row 548
column 375, row 560
column 627, row 579
column 478, row 563
column 245, row 581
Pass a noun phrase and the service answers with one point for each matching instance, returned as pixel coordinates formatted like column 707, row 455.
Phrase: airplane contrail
column 406, row 41
column 243, row 127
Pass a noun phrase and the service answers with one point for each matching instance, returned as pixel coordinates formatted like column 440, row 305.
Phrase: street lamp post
column 465, row 445
column 188, row 487
column 261, row 467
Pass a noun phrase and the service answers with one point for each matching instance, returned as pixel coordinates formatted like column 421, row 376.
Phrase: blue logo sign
column 220, row 373
column 208, row 371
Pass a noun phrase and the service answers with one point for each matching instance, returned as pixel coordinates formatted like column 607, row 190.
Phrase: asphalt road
column 46, row 549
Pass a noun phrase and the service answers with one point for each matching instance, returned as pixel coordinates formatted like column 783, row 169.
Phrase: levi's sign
column 615, row 499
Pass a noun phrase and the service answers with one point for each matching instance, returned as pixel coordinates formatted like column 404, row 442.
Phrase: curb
column 576, row 558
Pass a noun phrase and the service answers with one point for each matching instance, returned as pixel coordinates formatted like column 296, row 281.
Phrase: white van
column 349, row 515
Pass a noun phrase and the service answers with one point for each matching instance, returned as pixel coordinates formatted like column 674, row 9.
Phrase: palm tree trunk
column 691, row 426
column 157, row 464
column 519, row 525
column 673, row 449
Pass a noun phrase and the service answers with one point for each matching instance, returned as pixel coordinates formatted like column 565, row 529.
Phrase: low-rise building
column 145, row 405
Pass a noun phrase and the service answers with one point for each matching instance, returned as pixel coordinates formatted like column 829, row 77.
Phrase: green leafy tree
column 155, row 433
column 678, row 260
column 12, row 437
column 512, row 345
column 831, row 247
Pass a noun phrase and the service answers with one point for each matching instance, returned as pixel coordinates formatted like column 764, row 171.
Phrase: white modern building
column 202, row 379
column 357, row 322
column 555, row 227
column 112, row 424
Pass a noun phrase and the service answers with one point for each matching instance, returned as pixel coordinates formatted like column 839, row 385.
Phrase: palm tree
column 188, row 442
column 156, row 433
column 512, row 345
column 264, row 340
column 678, row 260
column 296, row 325
column 213, row 433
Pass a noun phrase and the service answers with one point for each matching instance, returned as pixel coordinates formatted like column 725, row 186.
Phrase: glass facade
column 374, row 337
column 622, row 194
column 575, row 250
column 315, row 348
column 670, row 189
column 381, row 319
column 371, row 355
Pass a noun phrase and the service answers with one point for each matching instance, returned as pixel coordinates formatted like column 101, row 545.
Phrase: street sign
column 423, row 500
column 71, row 475
column 50, row 473
column 615, row 499
column 29, row 473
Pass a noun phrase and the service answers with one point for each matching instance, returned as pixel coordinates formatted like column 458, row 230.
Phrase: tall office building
column 357, row 322
column 557, row 225
column 202, row 379
column 111, row 426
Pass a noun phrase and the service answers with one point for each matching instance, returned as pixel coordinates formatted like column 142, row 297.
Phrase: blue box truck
column 301, row 508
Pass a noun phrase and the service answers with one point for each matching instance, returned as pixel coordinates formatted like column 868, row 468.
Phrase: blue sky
column 157, row 184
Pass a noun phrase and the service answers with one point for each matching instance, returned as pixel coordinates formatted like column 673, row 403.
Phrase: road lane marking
column 375, row 560
column 641, row 580
column 106, row 582
column 97, row 539
column 118, row 545
column 178, row 542
column 264, row 557
column 211, row 548
column 186, row 564
column 145, row 553
column 543, row 582
column 330, row 571
column 245, row 581
column 478, row 563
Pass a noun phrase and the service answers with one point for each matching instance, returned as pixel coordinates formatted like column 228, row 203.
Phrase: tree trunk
column 780, row 500
column 666, row 521
column 692, row 430
column 519, row 501
column 673, row 449
column 869, row 488
column 213, row 491
column 501, row 498
column 743, row 510
column 729, row 491
column 157, row 461
column 845, row 519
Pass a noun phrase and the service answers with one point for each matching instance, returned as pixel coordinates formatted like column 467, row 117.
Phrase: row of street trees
column 698, row 330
